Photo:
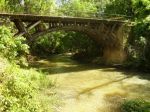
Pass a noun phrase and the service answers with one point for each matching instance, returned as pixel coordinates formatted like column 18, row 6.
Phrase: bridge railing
column 99, row 15
column 72, row 13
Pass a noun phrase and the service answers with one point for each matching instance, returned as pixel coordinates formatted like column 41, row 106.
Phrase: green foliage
column 12, row 48
column 61, row 42
column 78, row 8
column 39, row 6
column 3, row 5
column 141, row 8
column 48, row 44
column 135, row 106
column 139, row 38
column 19, row 89
column 79, row 43
column 28, row 6
column 123, row 7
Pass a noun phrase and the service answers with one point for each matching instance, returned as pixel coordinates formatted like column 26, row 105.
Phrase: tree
column 78, row 8
column 32, row 6
column 123, row 7
column 3, row 5
column 138, row 42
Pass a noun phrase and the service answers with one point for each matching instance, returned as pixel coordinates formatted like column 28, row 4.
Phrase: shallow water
column 90, row 88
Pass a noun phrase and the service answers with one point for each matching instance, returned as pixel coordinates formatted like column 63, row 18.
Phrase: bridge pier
column 114, row 52
column 113, row 56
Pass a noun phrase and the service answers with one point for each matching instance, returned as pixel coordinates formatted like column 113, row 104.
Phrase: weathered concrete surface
column 108, row 33
column 116, row 53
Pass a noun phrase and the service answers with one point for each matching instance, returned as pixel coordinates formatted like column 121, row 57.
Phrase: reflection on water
column 89, row 88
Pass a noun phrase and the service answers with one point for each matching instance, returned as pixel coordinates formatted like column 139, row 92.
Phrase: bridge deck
column 30, row 18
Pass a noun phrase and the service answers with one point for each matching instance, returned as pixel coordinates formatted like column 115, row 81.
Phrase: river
column 91, row 88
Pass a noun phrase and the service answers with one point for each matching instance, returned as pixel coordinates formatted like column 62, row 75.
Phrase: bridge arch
column 108, row 33
column 111, row 42
column 109, row 37
column 80, row 29
column 105, row 36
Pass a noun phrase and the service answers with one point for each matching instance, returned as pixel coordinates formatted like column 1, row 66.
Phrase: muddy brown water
column 90, row 88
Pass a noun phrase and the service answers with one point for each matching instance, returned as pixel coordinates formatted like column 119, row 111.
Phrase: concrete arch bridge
column 106, row 32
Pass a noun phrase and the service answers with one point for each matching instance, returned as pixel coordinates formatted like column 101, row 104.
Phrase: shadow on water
column 63, row 69
column 102, row 85
column 61, row 64
column 141, row 75
column 134, row 88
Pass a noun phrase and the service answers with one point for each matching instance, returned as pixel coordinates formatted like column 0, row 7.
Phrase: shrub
column 19, row 89
column 11, row 47
column 61, row 42
column 136, row 105
column 48, row 44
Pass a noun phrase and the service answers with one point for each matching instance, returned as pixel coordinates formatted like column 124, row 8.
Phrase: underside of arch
column 107, row 34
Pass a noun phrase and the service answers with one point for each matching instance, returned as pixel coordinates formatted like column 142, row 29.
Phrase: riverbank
column 25, row 90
